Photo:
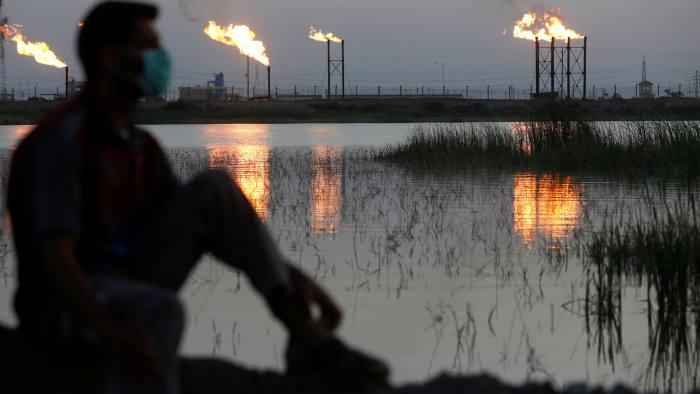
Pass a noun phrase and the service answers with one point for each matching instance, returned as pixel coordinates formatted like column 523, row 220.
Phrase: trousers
column 210, row 214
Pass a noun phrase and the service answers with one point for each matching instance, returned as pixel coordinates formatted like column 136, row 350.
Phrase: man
column 105, row 236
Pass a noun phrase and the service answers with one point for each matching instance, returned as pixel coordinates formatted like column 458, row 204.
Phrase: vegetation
column 659, row 251
column 656, row 146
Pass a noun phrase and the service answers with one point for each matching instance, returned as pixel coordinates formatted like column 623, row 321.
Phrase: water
column 460, row 270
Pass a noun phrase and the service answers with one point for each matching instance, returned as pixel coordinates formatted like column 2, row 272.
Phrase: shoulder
column 58, row 128
column 149, row 143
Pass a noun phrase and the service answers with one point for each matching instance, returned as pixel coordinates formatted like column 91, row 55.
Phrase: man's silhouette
column 105, row 235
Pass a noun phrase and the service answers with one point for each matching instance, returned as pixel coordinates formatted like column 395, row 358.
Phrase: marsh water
column 450, row 269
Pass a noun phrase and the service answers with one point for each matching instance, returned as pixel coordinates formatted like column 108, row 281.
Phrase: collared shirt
column 75, row 175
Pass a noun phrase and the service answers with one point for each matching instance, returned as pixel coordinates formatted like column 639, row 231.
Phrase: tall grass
column 662, row 253
column 656, row 146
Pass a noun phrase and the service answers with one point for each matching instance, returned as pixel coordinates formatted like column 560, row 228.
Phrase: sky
column 388, row 42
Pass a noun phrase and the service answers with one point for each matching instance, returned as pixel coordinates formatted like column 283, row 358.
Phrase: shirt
column 76, row 175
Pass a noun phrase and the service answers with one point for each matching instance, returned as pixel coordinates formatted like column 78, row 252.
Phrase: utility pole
column 442, row 64
column 697, row 83
column 3, row 77
column 443, row 75
column 328, row 43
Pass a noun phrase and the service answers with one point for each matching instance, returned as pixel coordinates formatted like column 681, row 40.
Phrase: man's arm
column 294, row 308
column 128, row 343
column 73, row 285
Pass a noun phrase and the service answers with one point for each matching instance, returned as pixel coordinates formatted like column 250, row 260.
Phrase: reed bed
column 628, row 147
column 659, row 250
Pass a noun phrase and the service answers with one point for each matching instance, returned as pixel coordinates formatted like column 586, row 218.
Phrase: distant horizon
column 390, row 44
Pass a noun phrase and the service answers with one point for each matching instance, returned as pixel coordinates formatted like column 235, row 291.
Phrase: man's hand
column 294, row 307
column 311, row 294
column 127, row 344
column 131, row 351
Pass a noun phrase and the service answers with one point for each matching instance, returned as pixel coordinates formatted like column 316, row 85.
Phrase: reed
column 662, row 253
column 627, row 147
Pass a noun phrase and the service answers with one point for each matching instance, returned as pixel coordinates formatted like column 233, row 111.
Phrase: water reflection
column 249, row 167
column 657, row 258
column 545, row 205
column 326, row 190
column 240, row 134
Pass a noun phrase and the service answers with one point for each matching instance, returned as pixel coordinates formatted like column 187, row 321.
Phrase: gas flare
column 40, row 51
column 5, row 31
column 546, row 26
column 239, row 36
column 318, row 35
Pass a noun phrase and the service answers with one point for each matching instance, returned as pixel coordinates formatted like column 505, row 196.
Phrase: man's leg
column 210, row 214
column 160, row 313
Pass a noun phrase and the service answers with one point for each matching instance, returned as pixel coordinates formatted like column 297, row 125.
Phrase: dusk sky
column 390, row 42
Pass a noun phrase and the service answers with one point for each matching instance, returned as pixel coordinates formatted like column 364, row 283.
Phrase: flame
column 81, row 24
column 239, row 36
column 40, row 51
column 546, row 26
column 546, row 206
column 6, row 30
column 318, row 35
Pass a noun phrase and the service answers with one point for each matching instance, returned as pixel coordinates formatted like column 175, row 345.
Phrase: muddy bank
column 368, row 110
column 25, row 370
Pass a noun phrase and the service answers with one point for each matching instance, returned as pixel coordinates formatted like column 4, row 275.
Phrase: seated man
column 105, row 236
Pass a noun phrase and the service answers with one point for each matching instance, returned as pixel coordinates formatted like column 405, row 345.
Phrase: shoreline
column 380, row 110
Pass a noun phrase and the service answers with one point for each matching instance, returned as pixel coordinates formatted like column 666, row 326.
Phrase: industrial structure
column 215, row 90
column 74, row 87
column 336, row 66
column 560, row 71
column 218, row 87
column 4, row 94
column 645, row 89
column 247, row 76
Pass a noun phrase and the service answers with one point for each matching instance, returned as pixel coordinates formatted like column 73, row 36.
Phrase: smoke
column 201, row 10
column 188, row 8
column 516, row 8
column 521, row 6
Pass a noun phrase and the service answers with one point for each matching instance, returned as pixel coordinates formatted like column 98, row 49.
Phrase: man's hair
column 109, row 24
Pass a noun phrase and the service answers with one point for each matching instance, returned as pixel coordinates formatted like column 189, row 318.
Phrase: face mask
column 155, row 76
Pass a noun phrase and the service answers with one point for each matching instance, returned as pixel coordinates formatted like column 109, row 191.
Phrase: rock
column 26, row 370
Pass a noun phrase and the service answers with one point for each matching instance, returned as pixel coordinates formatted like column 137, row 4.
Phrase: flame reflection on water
column 326, row 191
column 226, row 135
column 546, row 206
column 249, row 166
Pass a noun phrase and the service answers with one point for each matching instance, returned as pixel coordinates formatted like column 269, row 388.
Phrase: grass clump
column 650, row 146
column 661, row 253
column 453, row 143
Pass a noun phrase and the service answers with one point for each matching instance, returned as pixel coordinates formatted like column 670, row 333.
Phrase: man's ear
column 110, row 60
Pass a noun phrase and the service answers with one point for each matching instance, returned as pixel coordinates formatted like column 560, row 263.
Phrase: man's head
column 118, row 41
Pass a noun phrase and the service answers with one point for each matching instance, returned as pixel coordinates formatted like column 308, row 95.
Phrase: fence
column 24, row 92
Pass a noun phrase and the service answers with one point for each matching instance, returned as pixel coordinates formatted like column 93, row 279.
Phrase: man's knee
column 217, row 185
column 167, row 308
column 165, row 320
column 213, row 179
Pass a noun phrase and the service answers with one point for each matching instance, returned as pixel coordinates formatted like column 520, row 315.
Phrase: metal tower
column 3, row 77
column 336, row 66
column 560, row 71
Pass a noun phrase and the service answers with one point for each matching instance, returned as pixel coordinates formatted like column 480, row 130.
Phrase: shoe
column 334, row 361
